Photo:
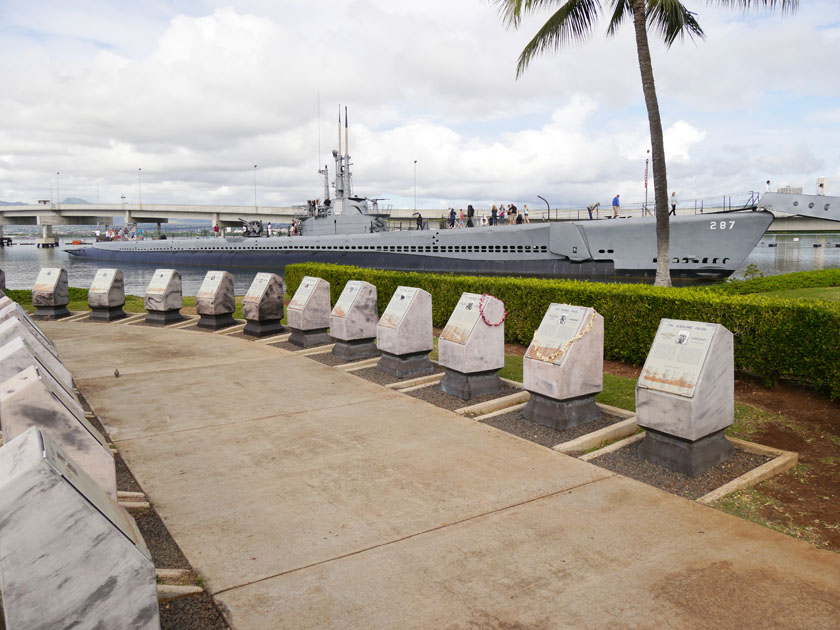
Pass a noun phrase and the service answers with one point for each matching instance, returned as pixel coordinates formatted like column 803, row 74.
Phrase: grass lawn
column 829, row 294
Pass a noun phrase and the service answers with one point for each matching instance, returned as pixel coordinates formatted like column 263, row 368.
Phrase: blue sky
column 196, row 93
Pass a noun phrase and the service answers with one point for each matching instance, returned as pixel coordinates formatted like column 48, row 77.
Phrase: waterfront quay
column 307, row 497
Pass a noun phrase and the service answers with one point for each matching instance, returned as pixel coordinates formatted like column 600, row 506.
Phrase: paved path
column 311, row 498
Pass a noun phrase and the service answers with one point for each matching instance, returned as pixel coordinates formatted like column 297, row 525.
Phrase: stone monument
column 27, row 400
column 163, row 298
column 70, row 556
column 308, row 313
column 215, row 301
column 472, row 347
column 106, row 296
column 685, row 396
column 262, row 306
column 13, row 327
column 51, row 294
column 18, row 352
column 9, row 309
column 353, row 322
column 404, row 334
column 563, row 368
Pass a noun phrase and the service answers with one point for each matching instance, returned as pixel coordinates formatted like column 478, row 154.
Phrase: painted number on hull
column 721, row 225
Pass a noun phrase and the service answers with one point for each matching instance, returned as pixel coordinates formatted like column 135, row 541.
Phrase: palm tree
column 573, row 21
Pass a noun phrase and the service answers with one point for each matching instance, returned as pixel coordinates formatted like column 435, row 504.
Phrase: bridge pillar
column 158, row 230
column 47, row 239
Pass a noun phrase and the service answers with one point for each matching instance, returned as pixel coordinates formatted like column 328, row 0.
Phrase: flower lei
column 560, row 351
column 484, row 296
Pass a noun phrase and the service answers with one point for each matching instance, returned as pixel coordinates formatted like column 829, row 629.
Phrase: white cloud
column 195, row 94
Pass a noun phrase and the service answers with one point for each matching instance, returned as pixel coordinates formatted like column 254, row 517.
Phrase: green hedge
column 774, row 338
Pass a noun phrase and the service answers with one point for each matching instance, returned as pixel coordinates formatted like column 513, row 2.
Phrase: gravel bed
column 143, row 322
column 191, row 613
column 285, row 345
column 165, row 551
column 379, row 377
column 433, row 394
column 125, row 480
column 515, row 423
column 625, row 462
column 328, row 358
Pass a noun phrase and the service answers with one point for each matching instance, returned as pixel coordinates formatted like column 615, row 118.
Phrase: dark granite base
column 309, row 338
column 163, row 318
column 355, row 350
column 685, row 456
column 468, row 386
column 216, row 322
column 107, row 314
column 406, row 365
column 51, row 312
column 264, row 328
column 561, row 414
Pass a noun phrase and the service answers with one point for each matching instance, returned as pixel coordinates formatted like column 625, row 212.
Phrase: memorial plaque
column 103, row 280
column 563, row 368
column 262, row 306
column 50, row 287
column 163, row 299
column 398, row 306
column 353, row 322
column 309, row 313
column 51, row 295
column 160, row 281
column 215, row 301
column 404, row 334
column 559, row 327
column 471, row 347
column 13, row 327
column 676, row 357
column 347, row 297
column 14, row 310
column 28, row 350
column 685, row 396
column 463, row 319
column 70, row 556
column 106, row 296
column 27, row 400
column 258, row 287
column 304, row 292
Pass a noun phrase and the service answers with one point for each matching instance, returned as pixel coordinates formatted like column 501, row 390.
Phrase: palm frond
column 621, row 11
column 785, row 6
column 571, row 22
column 671, row 20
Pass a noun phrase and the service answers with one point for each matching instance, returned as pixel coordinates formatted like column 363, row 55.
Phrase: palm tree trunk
column 660, row 179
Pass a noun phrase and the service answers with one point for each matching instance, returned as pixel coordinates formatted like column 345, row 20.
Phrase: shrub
column 774, row 338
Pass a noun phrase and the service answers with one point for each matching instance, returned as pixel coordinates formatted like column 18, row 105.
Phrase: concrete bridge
column 48, row 215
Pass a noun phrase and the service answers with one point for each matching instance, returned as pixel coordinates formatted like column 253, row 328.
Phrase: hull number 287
column 721, row 225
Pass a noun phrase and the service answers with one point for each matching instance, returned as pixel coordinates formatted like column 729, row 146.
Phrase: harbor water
column 774, row 254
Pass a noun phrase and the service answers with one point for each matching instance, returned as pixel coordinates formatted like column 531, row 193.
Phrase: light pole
column 647, row 158
column 415, row 185
column 139, row 187
column 255, row 186
column 57, row 189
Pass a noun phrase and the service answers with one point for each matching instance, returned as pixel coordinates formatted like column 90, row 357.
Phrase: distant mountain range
column 20, row 203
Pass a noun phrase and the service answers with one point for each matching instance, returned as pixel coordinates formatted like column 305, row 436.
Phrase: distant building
column 790, row 190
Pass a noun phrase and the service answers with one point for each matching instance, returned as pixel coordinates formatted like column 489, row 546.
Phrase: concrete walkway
column 310, row 498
